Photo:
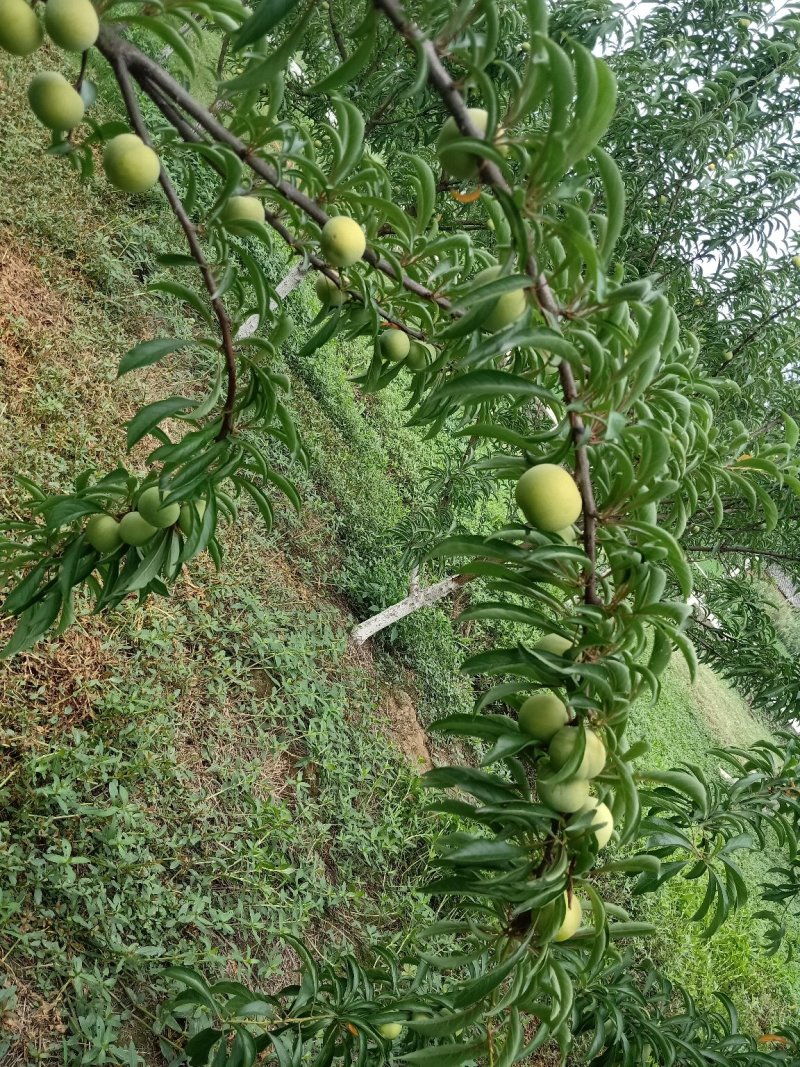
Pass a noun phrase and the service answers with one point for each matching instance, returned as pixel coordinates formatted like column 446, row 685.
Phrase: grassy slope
column 688, row 720
column 187, row 780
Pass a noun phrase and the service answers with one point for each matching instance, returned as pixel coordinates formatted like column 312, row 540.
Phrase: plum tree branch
column 145, row 69
column 120, row 69
column 190, row 134
column 443, row 83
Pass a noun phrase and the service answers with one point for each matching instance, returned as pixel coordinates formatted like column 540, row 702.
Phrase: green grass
column 185, row 781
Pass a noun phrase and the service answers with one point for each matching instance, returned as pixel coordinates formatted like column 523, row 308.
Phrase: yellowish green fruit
column 420, row 355
column 543, row 715
column 460, row 164
column 745, row 23
column 390, row 1031
column 563, row 745
column 555, row 644
column 186, row 517
column 567, row 797
column 506, row 309
column 419, row 1016
column 329, row 292
column 572, row 919
column 796, row 261
column 130, row 164
column 247, row 208
column 152, row 509
column 343, row 241
column 602, row 820
column 54, row 102
column 395, row 344
column 102, row 533
column 72, row 24
column 20, row 31
column 727, row 356
column 548, row 497
column 134, row 530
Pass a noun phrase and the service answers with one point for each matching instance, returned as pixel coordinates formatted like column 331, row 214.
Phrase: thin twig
column 120, row 69
column 741, row 550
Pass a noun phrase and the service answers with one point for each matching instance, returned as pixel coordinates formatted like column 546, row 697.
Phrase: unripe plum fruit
column 152, row 509
column 134, row 530
column 102, row 533
column 456, row 162
column 566, row 797
column 130, row 164
column 395, row 344
column 543, row 715
column 506, row 308
column 249, row 208
column 186, row 517
column 72, row 24
column 420, row 355
column 329, row 292
column 572, row 919
column 54, row 102
column 555, row 644
column 20, row 30
column 390, row 1031
column 343, row 241
column 563, row 744
column 602, row 819
column 548, row 497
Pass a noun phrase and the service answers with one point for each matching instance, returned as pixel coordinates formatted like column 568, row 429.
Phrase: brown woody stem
column 119, row 66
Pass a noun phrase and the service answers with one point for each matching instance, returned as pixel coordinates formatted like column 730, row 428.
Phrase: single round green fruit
column 102, row 533
column 134, row 530
column 727, row 356
column 563, row 745
column 420, row 356
column 419, row 1016
column 153, row 511
column 506, row 309
column 796, row 261
column 567, row 797
column 555, row 644
column 249, row 208
column 460, row 164
column 20, row 31
column 548, row 497
column 572, row 919
column 343, row 241
column 130, row 164
column 329, row 292
column 72, row 24
column 54, row 102
column 602, row 820
column 543, row 715
column 745, row 23
column 186, row 517
column 390, row 1031
column 395, row 344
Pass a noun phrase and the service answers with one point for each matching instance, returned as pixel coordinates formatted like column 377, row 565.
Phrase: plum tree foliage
column 468, row 165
